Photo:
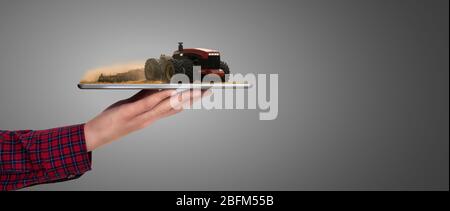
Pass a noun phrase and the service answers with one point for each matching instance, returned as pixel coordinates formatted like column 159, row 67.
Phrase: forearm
column 34, row 157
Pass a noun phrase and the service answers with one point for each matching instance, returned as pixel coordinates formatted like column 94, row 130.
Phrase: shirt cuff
column 59, row 153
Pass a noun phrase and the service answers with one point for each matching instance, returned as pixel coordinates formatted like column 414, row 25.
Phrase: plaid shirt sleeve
column 30, row 157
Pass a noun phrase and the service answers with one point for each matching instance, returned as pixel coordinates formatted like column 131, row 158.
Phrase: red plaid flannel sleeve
column 30, row 157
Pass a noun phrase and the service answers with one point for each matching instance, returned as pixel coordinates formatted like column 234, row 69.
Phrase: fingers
column 141, row 94
column 167, row 106
column 147, row 101
column 184, row 98
column 192, row 99
column 171, row 112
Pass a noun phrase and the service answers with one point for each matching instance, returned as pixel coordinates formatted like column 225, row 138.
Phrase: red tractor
column 183, row 60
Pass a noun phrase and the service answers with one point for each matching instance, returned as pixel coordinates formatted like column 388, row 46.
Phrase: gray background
column 363, row 93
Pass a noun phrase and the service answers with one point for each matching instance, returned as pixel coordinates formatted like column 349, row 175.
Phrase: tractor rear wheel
column 152, row 70
column 226, row 70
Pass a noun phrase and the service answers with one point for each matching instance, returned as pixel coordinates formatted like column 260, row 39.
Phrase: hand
column 135, row 113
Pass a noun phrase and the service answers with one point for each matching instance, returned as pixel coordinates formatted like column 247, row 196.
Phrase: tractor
column 183, row 61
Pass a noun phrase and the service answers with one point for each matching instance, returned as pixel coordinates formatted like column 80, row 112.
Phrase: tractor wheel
column 172, row 67
column 188, row 67
column 153, row 70
column 226, row 70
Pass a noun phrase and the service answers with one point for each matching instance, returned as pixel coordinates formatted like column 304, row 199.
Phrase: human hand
column 134, row 113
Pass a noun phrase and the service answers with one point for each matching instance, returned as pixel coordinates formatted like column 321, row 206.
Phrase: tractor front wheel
column 188, row 67
column 170, row 67
column 178, row 66
column 226, row 70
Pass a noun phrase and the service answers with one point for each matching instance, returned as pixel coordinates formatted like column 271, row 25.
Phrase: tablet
column 124, row 86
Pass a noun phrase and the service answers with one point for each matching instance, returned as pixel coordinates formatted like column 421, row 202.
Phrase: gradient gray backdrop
column 363, row 91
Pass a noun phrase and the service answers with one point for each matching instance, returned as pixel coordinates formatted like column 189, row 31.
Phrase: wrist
column 91, row 136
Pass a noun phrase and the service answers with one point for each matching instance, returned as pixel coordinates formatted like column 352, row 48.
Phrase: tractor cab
column 207, row 59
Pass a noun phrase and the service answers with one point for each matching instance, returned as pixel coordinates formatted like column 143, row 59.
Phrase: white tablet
column 119, row 86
